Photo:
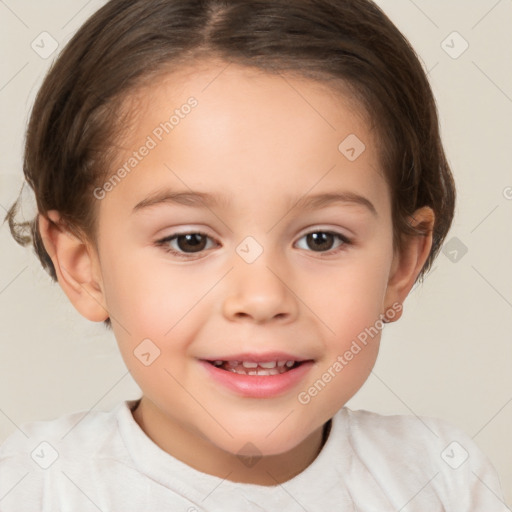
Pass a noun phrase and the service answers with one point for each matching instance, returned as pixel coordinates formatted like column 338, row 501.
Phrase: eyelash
column 164, row 243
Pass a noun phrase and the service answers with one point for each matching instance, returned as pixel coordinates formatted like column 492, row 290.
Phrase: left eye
column 322, row 241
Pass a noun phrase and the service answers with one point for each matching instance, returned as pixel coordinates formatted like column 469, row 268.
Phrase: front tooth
column 281, row 363
column 270, row 364
column 271, row 371
column 249, row 364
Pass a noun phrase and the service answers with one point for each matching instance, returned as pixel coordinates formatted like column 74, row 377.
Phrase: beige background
column 450, row 356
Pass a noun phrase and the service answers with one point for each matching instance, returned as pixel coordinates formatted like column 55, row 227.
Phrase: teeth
column 268, row 365
column 273, row 371
column 253, row 368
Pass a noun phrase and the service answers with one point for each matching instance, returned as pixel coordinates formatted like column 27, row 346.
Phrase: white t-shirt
column 103, row 461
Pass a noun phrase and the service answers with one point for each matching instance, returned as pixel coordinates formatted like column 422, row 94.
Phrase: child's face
column 257, row 144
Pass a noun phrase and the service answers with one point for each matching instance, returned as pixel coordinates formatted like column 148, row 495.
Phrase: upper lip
column 259, row 358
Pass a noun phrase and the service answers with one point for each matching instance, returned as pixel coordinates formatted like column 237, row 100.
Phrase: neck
column 198, row 452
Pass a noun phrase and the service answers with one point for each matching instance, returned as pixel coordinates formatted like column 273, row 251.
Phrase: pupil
column 320, row 240
column 192, row 240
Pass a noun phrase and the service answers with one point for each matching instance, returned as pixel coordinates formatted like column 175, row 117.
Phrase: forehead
column 247, row 128
column 275, row 102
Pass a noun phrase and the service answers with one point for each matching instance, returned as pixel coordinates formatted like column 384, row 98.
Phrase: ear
column 77, row 267
column 409, row 260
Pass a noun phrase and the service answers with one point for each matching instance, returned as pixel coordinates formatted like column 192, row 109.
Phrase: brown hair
column 128, row 43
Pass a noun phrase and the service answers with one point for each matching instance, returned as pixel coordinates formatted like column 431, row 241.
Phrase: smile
column 264, row 376
column 256, row 368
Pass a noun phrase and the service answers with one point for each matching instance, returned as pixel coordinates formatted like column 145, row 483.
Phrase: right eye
column 184, row 244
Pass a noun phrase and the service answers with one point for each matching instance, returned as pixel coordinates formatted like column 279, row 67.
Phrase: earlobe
column 76, row 265
column 408, row 262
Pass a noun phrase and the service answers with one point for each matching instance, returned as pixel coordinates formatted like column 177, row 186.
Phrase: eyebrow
column 206, row 200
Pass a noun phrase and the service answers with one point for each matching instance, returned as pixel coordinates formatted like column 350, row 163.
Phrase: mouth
column 276, row 367
column 264, row 375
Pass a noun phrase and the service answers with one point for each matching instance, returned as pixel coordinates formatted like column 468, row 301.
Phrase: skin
column 254, row 138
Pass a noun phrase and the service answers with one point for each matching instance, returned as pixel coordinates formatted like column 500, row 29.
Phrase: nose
column 259, row 293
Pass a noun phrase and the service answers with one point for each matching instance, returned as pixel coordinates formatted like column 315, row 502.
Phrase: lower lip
column 259, row 386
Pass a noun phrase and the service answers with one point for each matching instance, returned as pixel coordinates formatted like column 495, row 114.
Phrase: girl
column 245, row 192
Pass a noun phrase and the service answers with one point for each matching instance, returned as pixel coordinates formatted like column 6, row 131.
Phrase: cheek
column 351, row 297
column 350, row 312
column 148, row 296
column 155, row 312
